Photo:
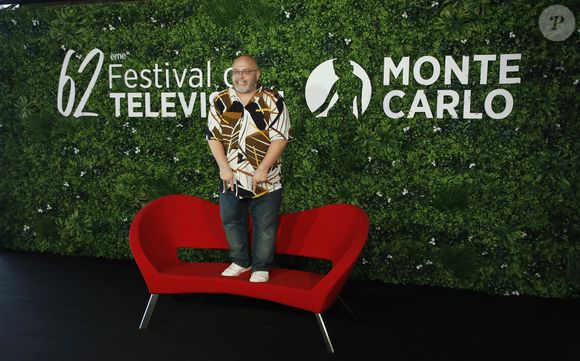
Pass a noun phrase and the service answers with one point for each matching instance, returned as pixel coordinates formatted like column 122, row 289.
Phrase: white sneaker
column 260, row 276
column 234, row 270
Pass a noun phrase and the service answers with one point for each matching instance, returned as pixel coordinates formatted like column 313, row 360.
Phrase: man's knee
column 265, row 251
column 265, row 233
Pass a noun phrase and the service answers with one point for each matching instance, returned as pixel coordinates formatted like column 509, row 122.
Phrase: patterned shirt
column 246, row 133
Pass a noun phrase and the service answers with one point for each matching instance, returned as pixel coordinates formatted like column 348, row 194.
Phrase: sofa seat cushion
column 211, row 271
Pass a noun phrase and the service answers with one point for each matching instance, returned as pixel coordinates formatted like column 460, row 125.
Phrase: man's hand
column 227, row 175
column 260, row 176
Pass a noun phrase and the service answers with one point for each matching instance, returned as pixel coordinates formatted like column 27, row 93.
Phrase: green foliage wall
column 483, row 204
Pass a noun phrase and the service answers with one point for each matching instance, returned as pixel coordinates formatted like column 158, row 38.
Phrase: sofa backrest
column 329, row 232
column 175, row 221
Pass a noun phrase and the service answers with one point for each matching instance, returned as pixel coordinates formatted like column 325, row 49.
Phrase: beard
column 245, row 86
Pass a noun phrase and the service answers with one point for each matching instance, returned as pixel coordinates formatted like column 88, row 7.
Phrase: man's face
column 245, row 83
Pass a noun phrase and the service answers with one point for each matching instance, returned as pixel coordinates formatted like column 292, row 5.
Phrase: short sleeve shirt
column 246, row 133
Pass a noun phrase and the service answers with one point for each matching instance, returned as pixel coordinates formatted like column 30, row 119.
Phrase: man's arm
column 272, row 155
column 280, row 135
column 213, row 135
column 217, row 149
column 226, row 173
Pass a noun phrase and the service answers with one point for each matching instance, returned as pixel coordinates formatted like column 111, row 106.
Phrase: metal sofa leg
column 148, row 311
column 324, row 333
column 352, row 314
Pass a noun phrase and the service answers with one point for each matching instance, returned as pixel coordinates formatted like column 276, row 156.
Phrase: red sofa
column 335, row 232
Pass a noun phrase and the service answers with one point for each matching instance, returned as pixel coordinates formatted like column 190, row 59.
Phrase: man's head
column 245, row 74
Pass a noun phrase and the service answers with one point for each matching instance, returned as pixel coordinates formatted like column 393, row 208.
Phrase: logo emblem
column 321, row 83
column 557, row 22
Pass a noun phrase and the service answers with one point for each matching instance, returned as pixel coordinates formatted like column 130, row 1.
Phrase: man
column 248, row 129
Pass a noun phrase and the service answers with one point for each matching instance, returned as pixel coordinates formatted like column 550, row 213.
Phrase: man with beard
column 248, row 129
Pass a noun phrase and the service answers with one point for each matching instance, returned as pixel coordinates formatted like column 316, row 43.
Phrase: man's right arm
column 226, row 173
column 213, row 137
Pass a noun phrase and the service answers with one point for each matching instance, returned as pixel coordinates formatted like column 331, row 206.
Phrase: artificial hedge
column 483, row 204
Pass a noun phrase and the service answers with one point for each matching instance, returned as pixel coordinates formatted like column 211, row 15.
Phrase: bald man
column 248, row 129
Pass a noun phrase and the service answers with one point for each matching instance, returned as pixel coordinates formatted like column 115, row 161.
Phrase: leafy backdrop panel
column 483, row 204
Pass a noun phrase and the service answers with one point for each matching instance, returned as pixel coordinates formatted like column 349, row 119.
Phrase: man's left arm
column 274, row 152
column 280, row 135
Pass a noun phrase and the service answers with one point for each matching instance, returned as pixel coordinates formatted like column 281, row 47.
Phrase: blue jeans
column 265, row 212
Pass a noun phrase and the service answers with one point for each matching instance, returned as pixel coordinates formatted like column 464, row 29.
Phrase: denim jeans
column 265, row 211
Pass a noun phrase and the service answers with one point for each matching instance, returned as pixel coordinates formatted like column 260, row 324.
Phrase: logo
column 321, row 85
column 557, row 23
column 133, row 91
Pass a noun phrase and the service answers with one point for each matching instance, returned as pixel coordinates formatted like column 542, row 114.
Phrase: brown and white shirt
column 246, row 133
